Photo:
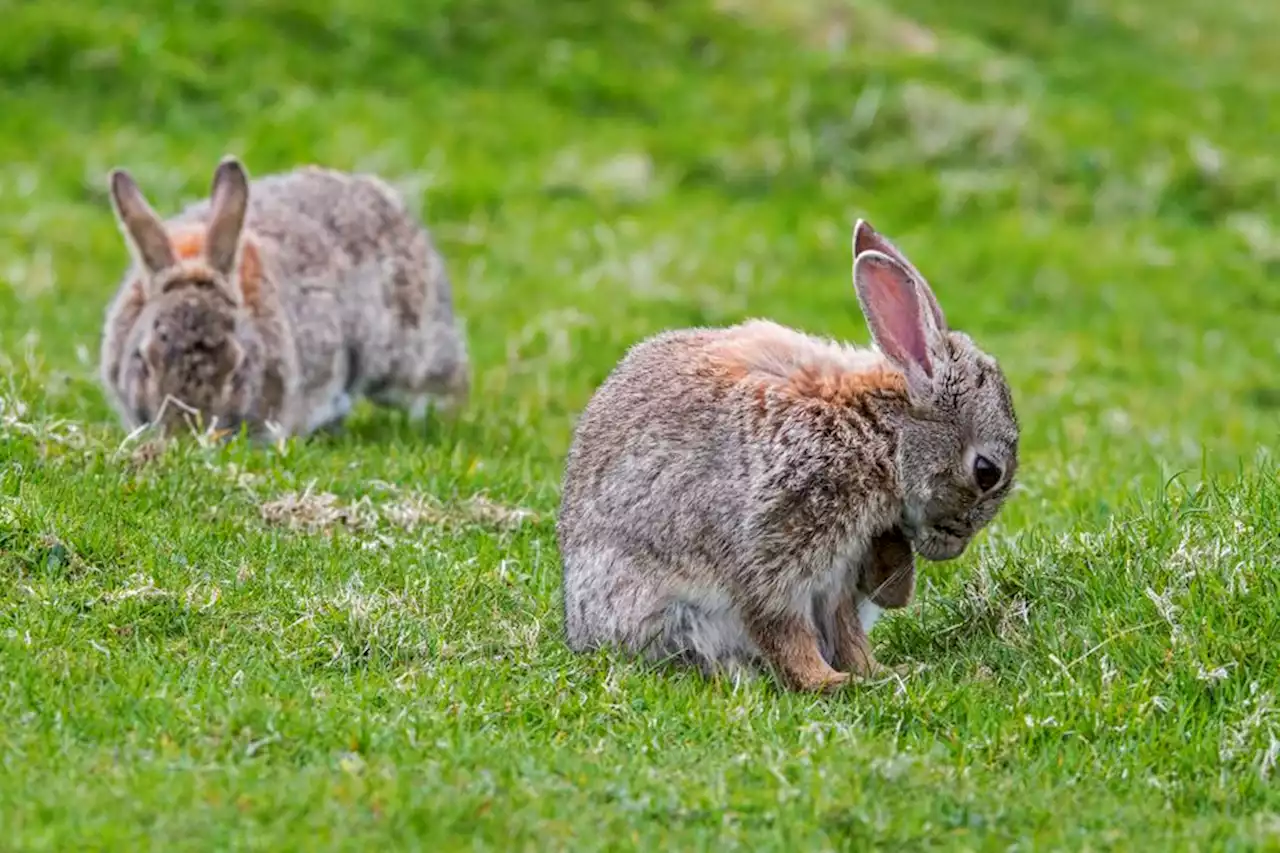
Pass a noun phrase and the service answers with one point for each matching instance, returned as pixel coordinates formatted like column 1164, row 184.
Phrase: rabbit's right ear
column 230, row 201
column 891, row 302
column 142, row 228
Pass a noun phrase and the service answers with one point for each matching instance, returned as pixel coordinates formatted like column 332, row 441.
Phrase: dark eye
column 986, row 473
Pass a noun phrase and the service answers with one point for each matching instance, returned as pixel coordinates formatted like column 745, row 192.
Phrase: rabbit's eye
column 986, row 473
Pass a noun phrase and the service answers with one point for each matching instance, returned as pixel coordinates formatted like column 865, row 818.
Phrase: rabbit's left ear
column 898, row 321
column 230, row 201
column 867, row 239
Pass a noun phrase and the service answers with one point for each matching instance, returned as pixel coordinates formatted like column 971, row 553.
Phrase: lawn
column 354, row 641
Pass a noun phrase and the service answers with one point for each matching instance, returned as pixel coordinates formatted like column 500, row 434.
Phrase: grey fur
column 737, row 495
column 352, row 299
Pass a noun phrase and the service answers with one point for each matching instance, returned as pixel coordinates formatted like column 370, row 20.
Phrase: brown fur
column 890, row 577
column 852, row 647
column 811, row 373
column 189, row 245
column 846, row 389
column 791, row 644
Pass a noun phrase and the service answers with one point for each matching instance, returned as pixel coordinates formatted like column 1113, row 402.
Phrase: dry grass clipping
column 323, row 512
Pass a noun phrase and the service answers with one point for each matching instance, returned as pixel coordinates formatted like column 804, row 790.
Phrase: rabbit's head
column 958, row 445
column 192, row 351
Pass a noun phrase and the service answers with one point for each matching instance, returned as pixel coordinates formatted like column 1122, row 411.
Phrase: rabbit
column 752, row 495
column 276, row 305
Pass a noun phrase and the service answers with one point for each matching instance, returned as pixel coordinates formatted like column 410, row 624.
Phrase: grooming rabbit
column 278, row 303
column 754, row 495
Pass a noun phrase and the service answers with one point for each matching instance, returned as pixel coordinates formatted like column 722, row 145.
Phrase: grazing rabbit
column 754, row 494
column 277, row 304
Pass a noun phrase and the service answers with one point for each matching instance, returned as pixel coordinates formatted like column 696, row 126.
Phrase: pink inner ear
column 891, row 304
column 868, row 239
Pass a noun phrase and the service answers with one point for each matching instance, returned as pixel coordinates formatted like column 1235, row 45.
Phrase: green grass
column 354, row 642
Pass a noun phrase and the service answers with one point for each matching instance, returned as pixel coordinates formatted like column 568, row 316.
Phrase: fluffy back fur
column 754, row 494
column 278, row 303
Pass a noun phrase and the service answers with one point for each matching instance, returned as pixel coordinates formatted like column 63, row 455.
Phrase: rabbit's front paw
column 791, row 645
column 823, row 682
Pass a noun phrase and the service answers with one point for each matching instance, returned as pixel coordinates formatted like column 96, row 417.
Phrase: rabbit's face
column 188, row 363
column 189, row 355
column 958, row 447
column 958, row 453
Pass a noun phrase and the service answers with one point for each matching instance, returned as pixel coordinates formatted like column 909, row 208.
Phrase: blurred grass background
column 1092, row 189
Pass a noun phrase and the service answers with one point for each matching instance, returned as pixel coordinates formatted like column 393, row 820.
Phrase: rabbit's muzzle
column 937, row 542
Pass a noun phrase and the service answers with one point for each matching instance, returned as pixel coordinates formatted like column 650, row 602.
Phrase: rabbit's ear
column 891, row 303
column 867, row 239
column 230, row 200
column 142, row 228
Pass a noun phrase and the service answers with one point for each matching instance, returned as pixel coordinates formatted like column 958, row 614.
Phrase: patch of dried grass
column 318, row 512
column 839, row 25
column 312, row 511
column 140, row 586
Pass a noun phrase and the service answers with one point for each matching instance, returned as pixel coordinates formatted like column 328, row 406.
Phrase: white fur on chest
column 868, row 614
